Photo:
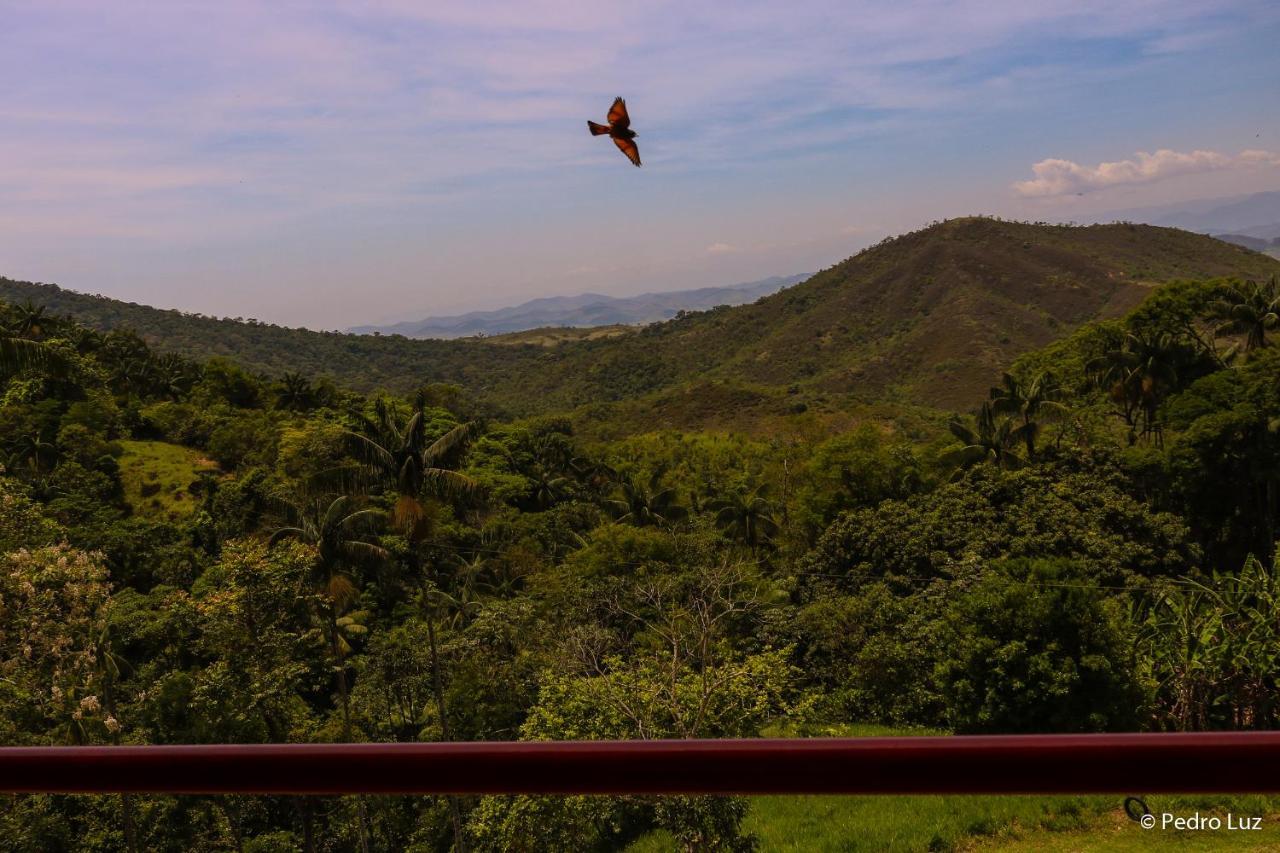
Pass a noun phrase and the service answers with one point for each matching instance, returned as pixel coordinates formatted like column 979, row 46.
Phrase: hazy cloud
column 1062, row 177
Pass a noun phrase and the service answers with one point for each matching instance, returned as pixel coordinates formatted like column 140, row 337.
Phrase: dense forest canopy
column 209, row 548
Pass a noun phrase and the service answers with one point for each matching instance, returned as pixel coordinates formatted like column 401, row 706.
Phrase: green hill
column 928, row 318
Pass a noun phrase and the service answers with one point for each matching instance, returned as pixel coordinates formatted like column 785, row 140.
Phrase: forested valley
column 196, row 552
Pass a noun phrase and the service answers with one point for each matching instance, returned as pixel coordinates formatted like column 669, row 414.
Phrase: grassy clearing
column 157, row 477
column 553, row 336
column 1115, row 833
column 846, row 824
column 987, row 824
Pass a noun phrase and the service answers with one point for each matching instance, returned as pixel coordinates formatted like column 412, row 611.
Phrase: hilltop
column 928, row 318
column 586, row 310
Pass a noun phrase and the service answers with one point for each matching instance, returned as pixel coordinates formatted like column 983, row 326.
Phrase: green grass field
column 842, row 824
column 157, row 475
column 1050, row 824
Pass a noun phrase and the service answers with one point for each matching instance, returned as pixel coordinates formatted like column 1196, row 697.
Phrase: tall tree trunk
column 127, row 802
column 455, row 815
column 344, row 696
column 302, row 805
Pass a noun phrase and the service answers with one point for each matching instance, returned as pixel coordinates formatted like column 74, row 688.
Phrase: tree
column 857, row 469
column 647, row 503
column 1138, row 372
column 1047, row 510
column 988, row 441
column 262, row 650
column 1211, row 647
column 1247, row 308
column 17, row 354
column 32, row 322
column 341, row 533
column 435, row 604
column 1030, row 402
column 1035, row 646
column 22, row 340
column 685, row 680
column 31, row 451
column 747, row 515
column 398, row 456
column 173, row 376
column 53, row 622
column 295, row 392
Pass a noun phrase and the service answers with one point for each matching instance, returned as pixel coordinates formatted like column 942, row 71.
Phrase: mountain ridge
column 927, row 318
column 582, row 310
column 1250, row 215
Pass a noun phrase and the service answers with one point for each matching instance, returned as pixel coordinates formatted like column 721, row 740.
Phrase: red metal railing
column 1037, row 764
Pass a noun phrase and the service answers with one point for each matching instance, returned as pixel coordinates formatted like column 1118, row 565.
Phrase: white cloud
column 1054, row 177
column 721, row 249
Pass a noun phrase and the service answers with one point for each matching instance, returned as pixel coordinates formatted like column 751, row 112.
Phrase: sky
column 334, row 164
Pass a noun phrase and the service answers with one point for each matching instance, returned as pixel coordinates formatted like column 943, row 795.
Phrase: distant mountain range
column 1258, row 244
column 587, row 309
column 1256, row 216
column 929, row 318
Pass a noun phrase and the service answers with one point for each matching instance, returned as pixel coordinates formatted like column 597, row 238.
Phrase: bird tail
column 597, row 129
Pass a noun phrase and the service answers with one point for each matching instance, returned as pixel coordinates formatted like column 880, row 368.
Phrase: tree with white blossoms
column 56, row 666
column 57, row 670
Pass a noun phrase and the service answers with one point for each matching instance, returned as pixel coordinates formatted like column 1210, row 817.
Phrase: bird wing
column 618, row 117
column 626, row 146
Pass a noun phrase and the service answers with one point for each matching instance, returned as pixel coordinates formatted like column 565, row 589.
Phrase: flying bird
column 619, row 130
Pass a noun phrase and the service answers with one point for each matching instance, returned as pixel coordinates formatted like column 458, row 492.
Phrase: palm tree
column 31, row 322
column 553, row 451
column 597, row 476
column 548, row 487
column 1247, row 308
column 84, row 339
column 989, row 441
column 341, row 534
column 469, row 573
column 1029, row 402
column 172, row 376
column 747, row 516
column 1138, row 372
column 647, row 504
column 21, row 344
column 295, row 392
column 398, row 457
column 32, row 451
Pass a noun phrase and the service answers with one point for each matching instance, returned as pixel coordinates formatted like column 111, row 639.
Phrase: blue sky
column 335, row 164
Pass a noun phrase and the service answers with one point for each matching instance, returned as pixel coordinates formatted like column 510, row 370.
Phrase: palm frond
column 449, row 484
column 448, row 445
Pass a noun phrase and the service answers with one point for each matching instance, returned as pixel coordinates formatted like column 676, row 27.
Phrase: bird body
column 619, row 130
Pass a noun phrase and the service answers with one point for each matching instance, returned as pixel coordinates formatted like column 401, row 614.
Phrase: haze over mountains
column 1252, row 221
column 583, row 310
column 928, row 319
column 1255, row 216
